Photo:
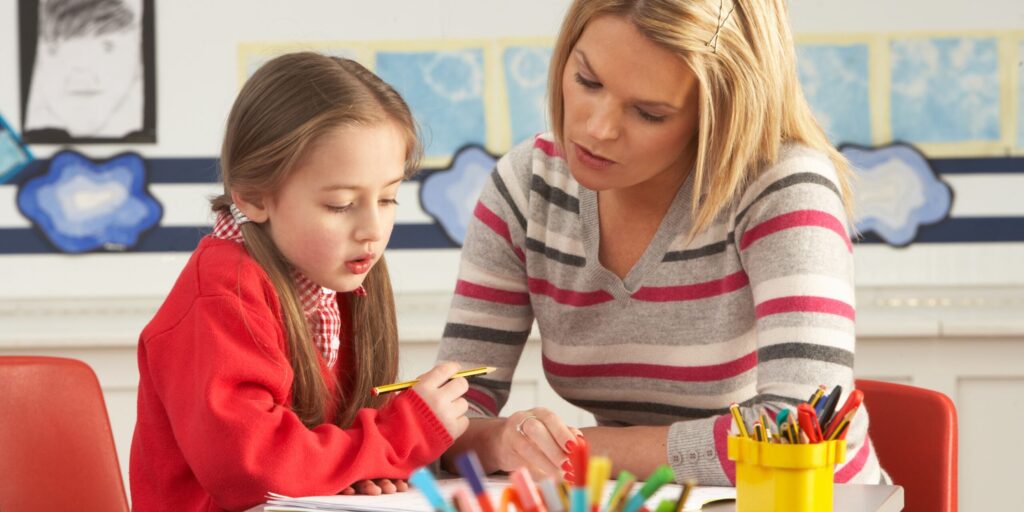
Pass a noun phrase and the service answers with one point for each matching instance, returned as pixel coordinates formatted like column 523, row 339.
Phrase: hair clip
column 721, row 23
column 237, row 214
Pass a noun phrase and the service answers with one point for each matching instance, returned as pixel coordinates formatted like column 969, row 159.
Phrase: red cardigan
column 214, row 429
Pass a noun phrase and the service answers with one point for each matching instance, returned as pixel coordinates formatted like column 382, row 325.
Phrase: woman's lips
column 591, row 160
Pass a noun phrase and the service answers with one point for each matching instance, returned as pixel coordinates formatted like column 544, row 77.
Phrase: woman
column 680, row 241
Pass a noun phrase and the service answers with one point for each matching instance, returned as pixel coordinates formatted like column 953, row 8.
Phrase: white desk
column 847, row 498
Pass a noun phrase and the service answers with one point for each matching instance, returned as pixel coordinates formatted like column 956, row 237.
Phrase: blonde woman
column 680, row 239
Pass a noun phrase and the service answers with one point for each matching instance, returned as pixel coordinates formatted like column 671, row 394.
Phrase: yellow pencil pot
column 784, row 477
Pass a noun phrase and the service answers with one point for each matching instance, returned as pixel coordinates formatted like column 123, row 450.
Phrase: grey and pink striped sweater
column 758, row 309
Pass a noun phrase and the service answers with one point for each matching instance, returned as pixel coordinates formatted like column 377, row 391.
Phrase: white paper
column 413, row 500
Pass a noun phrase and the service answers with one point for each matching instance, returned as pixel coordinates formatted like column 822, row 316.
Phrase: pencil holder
column 773, row 477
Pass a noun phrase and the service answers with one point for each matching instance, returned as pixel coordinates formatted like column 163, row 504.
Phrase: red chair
column 56, row 448
column 914, row 432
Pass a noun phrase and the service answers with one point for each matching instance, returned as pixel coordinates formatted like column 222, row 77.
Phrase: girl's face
column 334, row 214
column 630, row 109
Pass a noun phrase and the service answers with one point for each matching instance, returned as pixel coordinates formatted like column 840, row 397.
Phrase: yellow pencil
column 387, row 388
column 735, row 408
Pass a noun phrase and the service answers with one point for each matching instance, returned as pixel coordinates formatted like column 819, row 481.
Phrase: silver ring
column 519, row 426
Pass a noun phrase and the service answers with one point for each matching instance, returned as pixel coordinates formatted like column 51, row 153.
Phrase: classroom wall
column 940, row 287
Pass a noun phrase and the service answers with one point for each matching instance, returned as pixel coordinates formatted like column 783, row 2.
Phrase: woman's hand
column 444, row 397
column 376, row 487
column 537, row 439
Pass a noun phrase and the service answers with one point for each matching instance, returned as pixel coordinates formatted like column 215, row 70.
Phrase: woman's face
column 630, row 109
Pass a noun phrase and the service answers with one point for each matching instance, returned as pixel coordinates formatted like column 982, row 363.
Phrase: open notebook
column 413, row 501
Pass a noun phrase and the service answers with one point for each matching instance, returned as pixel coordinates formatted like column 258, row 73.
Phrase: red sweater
column 214, row 429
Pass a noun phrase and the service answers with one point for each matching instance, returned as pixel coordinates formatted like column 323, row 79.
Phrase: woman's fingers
column 536, row 460
column 538, row 432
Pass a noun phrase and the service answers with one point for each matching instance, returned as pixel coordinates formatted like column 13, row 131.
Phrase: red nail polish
column 567, row 466
column 568, row 477
column 570, row 446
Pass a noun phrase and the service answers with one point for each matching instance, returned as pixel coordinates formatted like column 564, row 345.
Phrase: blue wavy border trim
column 431, row 236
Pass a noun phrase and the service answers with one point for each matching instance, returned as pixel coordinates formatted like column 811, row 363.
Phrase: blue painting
column 81, row 205
column 897, row 192
column 526, row 78
column 835, row 79
column 14, row 154
column 449, row 195
column 444, row 89
column 945, row 89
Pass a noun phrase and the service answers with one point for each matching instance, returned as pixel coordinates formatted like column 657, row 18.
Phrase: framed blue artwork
column 445, row 90
column 945, row 89
column 835, row 80
column 526, row 79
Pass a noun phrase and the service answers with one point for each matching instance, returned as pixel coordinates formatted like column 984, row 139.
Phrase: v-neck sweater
column 757, row 309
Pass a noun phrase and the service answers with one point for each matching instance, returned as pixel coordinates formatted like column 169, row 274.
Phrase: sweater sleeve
column 490, row 316
column 793, row 244
column 224, row 379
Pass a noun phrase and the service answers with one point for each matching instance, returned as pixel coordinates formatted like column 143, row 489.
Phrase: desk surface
column 847, row 498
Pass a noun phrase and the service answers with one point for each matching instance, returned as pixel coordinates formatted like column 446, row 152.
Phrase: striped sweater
column 757, row 309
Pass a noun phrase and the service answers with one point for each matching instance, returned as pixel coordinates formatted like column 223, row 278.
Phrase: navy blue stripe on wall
column 206, row 170
column 430, row 236
column 185, row 239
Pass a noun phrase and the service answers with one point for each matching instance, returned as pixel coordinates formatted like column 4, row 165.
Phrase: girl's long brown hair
column 288, row 103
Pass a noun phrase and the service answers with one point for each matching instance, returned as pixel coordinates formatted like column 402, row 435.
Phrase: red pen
column 852, row 403
column 529, row 496
column 808, row 421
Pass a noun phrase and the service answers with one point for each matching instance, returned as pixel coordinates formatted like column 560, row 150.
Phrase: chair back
column 914, row 432
column 56, row 448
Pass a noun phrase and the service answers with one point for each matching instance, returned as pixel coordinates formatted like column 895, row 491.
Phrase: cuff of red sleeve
column 693, row 453
column 431, row 424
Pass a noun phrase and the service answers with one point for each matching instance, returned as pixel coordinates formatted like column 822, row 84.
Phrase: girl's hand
column 445, row 397
column 376, row 487
column 538, row 439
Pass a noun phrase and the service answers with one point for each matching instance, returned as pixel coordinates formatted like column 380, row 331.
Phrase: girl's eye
column 339, row 209
column 589, row 84
column 650, row 118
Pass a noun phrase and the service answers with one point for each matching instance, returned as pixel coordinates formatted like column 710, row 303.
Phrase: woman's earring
column 361, row 292
column 237, row 214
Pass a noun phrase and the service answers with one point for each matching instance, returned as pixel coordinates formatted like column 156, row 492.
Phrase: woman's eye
column 389, row 202
column 651, row 118
column 589, row 84
column 339, row 209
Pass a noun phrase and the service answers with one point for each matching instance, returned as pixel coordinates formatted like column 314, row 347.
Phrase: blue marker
column 424, row 481
column 470, row 469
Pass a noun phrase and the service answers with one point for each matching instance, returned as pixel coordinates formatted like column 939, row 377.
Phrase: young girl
column 680, row 239
column 256, row 372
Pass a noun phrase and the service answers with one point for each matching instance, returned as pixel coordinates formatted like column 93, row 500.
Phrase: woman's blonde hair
column 750, row 99
column 288, row 103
